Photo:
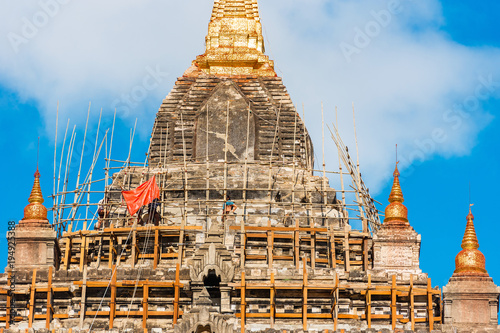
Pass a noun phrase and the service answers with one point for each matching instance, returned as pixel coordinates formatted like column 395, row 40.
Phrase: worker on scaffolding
column 149, row 214
column 228, row 207
column 102, row 214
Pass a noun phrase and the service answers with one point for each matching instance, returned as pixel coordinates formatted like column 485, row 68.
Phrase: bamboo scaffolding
column 368, row 289
column 81, row 160
column 54, row 211
column 245, row 186
column 91, row 171
column 184, row 222
column 207, row 192
column 59, row 175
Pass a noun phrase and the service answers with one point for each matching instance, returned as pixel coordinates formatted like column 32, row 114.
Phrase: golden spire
column 470, row 261
column 234, row 44
column 396, row 213
column 35, row 210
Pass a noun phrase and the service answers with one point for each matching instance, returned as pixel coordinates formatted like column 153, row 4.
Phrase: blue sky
column 414, row 83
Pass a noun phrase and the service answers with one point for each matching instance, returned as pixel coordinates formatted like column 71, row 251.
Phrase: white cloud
column 403, row 79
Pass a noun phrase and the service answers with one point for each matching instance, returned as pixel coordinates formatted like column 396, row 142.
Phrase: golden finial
column 470, row 261
column 396, row 192
column 36, row 210
column 234, row 44
column 396, row 212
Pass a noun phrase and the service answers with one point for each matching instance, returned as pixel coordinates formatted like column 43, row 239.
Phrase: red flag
column 141, row 196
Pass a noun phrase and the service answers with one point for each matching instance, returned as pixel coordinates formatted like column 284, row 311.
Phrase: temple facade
column 290, row 255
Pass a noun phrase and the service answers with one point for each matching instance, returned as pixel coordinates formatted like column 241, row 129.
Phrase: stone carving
column 212, row 256
column 204, row 318
column 204, row 321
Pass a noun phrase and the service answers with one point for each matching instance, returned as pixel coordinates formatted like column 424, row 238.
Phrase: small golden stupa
column 35, row 214
column 470, row 261
column 396, row 214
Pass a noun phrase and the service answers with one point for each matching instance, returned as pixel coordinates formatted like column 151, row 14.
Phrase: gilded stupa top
column 234, row 44
column 35, row 210
column 470, row 261
column 396, row 214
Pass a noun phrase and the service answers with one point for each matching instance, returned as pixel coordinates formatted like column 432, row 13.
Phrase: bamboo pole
column 132, row 136
column 108, row 162
column 336, row 306
column 332, row 249
column 393, row 302
column 245, row 188
column 156, row 248
column 430, row 312
column 8, row 312
column 134, row 246
column 294, row 170
column 59, row 172
column 276, row 130
column 54, row 211
column 365, row 254
column 145, row 296
column 92, row 169
column 296, row 244
column 83, row 299
column 111, row 250
column 67, row 253
column 112, row 302
column 323, row 183
column 412, row 304
column 304, row 295
column 270, row 246
column 81, row 162
column 243, row 302
column 207, row 193
column 69, row 158
column 340, row 166
column 365, row 222
column 306, row 143
column 226, row 138
column 176, row 293
column 347, row 251
column 183, row 223
column 166, row 147
column 272, row 300
column 49, row 299
column 369, row 302
column 313, row 250
column 83, row 245
column 31, row 316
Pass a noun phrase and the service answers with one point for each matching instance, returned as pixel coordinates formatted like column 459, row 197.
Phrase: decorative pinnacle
column 396, row 192
column 36, row 192
column 470, row 238
column 396, row 214
column 235, row 43
column 36, row 210
column 470, row 261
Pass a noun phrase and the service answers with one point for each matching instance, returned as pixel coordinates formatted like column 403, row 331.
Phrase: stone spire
column 234, row 44
column 470, row 261
column 470, row 298
column 396, row 245
column 396, row 214
column 35, row 211
column 35, row 238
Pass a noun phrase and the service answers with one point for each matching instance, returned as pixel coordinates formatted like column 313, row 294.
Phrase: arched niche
column 203, row 329
column 213, row 122
column 212, row 284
